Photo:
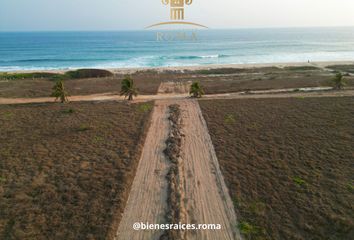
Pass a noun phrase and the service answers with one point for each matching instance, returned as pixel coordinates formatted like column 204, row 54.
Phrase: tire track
column 199, row 192
column 207, row 198
column 147, row 199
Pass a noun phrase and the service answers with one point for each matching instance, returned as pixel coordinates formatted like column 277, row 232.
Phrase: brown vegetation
column 172, row 152
column 342, row 68
column 288, row 164
column 268, row 78
column 146, row 83
column 66, row 170
column 224, row 80
column 220, row 80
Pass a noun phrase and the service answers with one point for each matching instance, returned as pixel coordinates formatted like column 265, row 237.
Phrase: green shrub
column 16, row 76
column 237, row 202
column 343, row 68
column 88, row 73
column 2, row 179
column 146, row 107
column 83, row 128
column 7, row 115
column 338, row 81
column 257, row 207
column 196, row 90
column 301, row 68
column 247, row 229
column 68, row 111
column 8, row 230
column 299, row 181
column 75, row 74
column 229, row 119
column 59, row 92
column 98, row 139
column 219, row 71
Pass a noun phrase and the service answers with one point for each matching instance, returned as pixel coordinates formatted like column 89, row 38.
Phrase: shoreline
column 319, row 64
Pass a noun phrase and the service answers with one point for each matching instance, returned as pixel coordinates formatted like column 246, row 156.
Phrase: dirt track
column 176, row 96
column 178, row 87
column 147, row 199
column 206, row 199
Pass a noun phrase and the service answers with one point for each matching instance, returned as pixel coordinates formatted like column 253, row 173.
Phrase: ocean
column 132, row 49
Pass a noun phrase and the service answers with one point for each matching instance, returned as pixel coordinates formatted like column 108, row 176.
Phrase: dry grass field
column 146, row 82
column 214, row 81
column 266, row 78
column 344, row 68
column 288, row 164
column 225, row 80
column 66, row 170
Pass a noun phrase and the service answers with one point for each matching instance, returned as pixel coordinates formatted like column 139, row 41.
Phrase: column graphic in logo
column 177, row 13
column 177, row 8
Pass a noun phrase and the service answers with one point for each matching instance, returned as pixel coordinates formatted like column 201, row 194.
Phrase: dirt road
column 206, row 199
column 177, row 96
column 177, row 87
column 147, row 199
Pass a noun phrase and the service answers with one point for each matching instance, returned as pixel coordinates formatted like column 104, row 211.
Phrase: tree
column 59, row 92
column 128, row 89
column 196, row 90
column 338, row 81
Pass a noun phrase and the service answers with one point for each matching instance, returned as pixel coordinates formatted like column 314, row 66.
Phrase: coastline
column 319, row 64
column 323, row 64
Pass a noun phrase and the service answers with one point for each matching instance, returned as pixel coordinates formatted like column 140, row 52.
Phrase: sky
column 86, row 15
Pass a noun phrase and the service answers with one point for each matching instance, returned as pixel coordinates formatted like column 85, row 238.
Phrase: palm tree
column 196, row 90
column 59, row 92
column 338, row 81
column 128, row 89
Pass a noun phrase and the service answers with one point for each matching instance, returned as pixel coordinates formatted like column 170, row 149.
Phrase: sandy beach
column 241, row 66
column 203, row 67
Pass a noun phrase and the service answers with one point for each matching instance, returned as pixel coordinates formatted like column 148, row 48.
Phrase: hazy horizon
column 153, row 30
column 124, row 15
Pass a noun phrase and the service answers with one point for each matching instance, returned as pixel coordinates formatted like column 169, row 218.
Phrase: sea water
column 131, row 49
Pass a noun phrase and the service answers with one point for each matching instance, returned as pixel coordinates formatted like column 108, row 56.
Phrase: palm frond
column 128, row 89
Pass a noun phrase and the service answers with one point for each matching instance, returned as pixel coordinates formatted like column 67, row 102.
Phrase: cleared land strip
column 112, row 97
column 174, row 87
column 147, row 199
column 205, row 198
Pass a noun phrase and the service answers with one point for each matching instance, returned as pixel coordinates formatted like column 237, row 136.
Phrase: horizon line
column 142, row 29
column 176, row 23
